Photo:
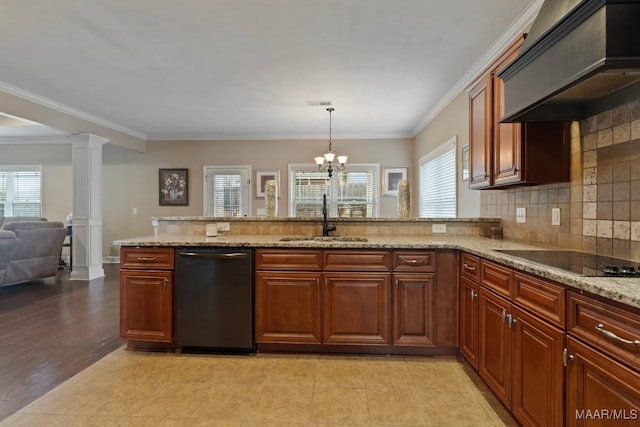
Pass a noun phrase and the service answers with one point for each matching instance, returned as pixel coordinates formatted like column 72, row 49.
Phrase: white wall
column 452, row 121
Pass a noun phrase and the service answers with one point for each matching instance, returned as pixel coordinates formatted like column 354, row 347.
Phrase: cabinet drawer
column 613, row 330
column 345, row 260
column 146, row 258
column 287, row 259
column 496, row 278
column 470, row 266
column 424, row 261
column 543, row 298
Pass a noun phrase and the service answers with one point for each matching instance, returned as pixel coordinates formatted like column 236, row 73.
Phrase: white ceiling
column 244, row 69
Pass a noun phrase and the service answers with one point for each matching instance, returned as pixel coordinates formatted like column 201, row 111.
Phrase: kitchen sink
column 324, row 239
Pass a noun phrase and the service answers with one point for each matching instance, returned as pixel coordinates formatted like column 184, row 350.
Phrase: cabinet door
column 356, row 308
column 538, row 374
column 494, row 364
column 507, row 141
column 414, row 309
column 146, row 305
column 480, row 134
column 469, row 321
column 288, row 307
column 600, row 391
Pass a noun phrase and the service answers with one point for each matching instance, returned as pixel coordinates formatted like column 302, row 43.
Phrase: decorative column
column 86, row 158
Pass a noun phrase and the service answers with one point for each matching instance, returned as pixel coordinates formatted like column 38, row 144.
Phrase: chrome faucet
column 326, row 227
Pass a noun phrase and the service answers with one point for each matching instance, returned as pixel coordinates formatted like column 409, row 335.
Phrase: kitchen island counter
column 623, row 290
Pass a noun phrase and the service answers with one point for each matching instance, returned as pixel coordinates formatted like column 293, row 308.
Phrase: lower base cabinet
column 414, row 297
column 288, row 307
column 374, row 301
column 356, row 308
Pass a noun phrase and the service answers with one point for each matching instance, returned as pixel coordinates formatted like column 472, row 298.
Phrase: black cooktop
column 579, row 262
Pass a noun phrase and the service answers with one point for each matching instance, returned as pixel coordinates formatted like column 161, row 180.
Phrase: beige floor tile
column 340, row 405
column 397, row 407
column 285, row 404
column 177, row 400
column 461, row 408
column 385, row 374
column 228, row 402
column 292, row 372
column 336, row 372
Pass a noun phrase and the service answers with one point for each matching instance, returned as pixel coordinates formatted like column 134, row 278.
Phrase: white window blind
column 20, row 191
column 226, row 191
column 350, row 193
column 438, row 182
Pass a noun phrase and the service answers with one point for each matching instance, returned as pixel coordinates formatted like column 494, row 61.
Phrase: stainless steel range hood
column 580, row 58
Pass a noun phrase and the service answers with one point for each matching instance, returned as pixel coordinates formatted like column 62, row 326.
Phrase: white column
column 86, row 158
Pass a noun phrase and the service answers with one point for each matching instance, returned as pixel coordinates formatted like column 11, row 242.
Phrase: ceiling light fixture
column 330, row 155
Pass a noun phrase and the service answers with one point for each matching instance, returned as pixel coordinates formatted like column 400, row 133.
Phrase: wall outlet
column 438, row 228
column 224, row 227
column 134, row 211
column 521, row 215
column 555, row 216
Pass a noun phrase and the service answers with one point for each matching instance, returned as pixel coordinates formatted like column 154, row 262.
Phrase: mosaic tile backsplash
column 600, row 207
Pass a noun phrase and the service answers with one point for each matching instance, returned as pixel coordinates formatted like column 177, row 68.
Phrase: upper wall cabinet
column 512, row 153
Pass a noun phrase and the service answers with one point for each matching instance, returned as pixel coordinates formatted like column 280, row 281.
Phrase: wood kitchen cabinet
column 469, row 328
column 146, row 294
column 288, row 301
column 512, row 153
column 356, row 308
column 348, row 300
column 603, row 362
column 288, row 307
column 521, row 338
column 414, row 298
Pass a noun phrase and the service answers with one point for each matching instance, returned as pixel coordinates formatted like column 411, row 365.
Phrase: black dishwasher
column 215, row 299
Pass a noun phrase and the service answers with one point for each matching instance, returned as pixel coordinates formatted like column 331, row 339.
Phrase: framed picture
column 261, row 179
column 465, row 162
column 174, row 187
column 391, row 177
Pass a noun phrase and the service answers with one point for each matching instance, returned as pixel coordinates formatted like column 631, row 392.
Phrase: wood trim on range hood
column 580, row 58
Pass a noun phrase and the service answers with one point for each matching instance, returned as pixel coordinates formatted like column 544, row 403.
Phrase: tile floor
column 151, row 389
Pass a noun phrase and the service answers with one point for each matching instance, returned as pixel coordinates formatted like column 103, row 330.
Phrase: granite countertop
column 624, row 290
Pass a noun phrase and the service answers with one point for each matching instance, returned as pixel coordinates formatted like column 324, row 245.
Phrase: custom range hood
column 581, row 57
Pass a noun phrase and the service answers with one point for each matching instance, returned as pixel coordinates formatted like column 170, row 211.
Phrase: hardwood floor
column 52, row 329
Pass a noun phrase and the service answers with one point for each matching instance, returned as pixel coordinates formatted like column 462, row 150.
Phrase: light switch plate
column 438, row 228
column 521, row 215
column 555, row 216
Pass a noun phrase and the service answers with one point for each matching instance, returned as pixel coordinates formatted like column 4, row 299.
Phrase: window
column 226, row 190
column 20, row 191
column 438, row 182
column 350, row 193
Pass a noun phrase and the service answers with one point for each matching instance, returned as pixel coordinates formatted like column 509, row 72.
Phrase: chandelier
column 330, row 155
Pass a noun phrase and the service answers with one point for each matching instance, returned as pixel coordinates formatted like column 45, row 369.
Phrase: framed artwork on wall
column 390, row 179
column 261, row 179
column 174, row 187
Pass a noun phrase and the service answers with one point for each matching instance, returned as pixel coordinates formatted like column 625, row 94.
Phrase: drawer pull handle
column 566, row 357
column 413, row 261
column 504, row 316
column 474, row 295
column 147, row 259
column 600, row 328
column 468, row 267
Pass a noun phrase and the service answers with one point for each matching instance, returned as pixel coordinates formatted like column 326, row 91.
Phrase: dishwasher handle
column 221, row 256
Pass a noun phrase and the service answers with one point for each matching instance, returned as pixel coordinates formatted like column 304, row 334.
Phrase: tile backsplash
column 599, row 207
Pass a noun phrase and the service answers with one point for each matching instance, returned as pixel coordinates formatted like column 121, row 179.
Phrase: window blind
column 20, row 192
column 350, row 193
column 227, row 191
column 438, row 183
